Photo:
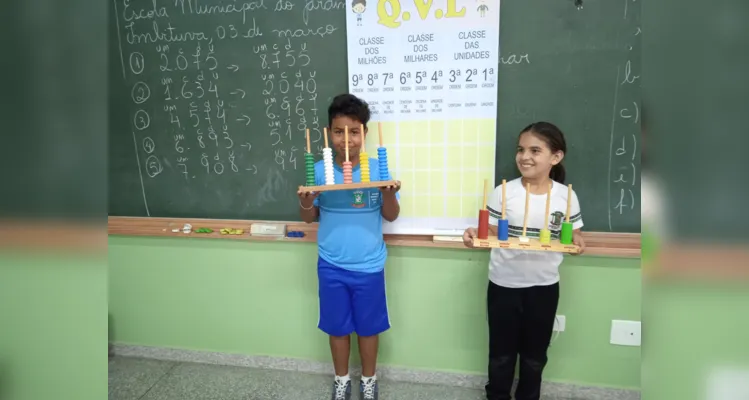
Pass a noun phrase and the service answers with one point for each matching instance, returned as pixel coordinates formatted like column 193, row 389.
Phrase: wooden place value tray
column 532, row 244
column 347, row 186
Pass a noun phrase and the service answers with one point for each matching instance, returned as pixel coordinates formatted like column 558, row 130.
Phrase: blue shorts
column 351, row 301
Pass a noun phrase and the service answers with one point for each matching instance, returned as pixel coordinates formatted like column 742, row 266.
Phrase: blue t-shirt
column 350, row 231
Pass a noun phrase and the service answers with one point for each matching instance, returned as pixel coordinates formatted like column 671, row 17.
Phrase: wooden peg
column 379, row 130
column 486, row 185
column 363, row 141
column 504, row 199
column 309, row 148
column 569, row 202
column 548, row 204
column 345, row 133
column 525, row 217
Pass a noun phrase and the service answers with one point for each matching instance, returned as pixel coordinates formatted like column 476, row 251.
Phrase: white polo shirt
column 523, row 268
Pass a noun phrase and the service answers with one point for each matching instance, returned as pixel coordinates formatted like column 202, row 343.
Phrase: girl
column 523, row 290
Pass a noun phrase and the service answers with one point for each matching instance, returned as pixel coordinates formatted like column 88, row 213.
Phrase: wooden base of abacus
column 347, row 186
column 532, row 244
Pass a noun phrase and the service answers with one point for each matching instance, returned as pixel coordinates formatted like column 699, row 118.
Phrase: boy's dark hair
column 554, row 138
column 350, row 106
column 362, row 2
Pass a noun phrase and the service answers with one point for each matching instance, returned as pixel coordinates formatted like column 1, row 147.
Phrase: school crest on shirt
column 358, row 199
column 556, row 219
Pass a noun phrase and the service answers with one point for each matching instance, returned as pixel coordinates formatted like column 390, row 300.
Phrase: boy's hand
column 577, row 239
column 391, row 190
column 306, row 199
column 468, row 236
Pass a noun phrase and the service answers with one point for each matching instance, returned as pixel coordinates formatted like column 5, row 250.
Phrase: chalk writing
column 623, row 161
column 210, row 81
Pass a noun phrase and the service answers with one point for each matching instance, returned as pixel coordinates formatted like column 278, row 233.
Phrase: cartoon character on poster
column 483, row 8
column 358, row 6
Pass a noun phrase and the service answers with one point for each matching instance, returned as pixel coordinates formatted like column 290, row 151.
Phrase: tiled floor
column 144, row 379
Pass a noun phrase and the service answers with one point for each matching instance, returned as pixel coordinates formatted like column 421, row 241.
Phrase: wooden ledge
column 37, row 234
column 626, row 245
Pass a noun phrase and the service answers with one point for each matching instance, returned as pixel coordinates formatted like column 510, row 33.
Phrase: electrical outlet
column 625, row 333
column 559, row 323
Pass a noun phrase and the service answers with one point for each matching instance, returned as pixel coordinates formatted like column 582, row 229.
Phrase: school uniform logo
column 556, row 220
column 358, row 200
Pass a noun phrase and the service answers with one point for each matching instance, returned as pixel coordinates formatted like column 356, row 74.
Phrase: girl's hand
column 468, row 236
column 577, row 239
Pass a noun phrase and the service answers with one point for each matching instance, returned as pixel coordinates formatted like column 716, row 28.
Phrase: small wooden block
column 533, row 244
column 347, row 186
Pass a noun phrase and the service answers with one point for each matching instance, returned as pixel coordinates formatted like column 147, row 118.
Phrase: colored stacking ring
column 566, row 235
column 309, row 162
column 503, row 232
column 382, row 160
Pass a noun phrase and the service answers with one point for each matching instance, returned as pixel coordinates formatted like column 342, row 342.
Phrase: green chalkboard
column 577, row 68
column 209, row 101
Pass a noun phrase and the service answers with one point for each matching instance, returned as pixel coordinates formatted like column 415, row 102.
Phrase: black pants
column 521, row 322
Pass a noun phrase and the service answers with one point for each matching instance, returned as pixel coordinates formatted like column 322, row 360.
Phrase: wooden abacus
column 367, row 181
column 543, row 243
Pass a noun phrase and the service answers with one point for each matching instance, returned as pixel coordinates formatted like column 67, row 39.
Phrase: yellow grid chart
column 441, row 163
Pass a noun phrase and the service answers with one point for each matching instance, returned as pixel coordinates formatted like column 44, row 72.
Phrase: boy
column 352, row 253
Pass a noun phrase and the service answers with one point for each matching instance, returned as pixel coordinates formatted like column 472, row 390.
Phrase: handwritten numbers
column 171, row 109
column 187, row 94
column 177, row 146
column 218, row 167
column 280, row 160
column 210, row 58
column 200, row 139
column 292, row 156
column 141, row 120
column 164, row 67
column 153, row 166
column 148, row 145
column 303, row 55
column 212, row 135
column 199, row 86
column 197, row 57
column 140, row 93
column 227, row 138
column 231, row 161
column 182, row 163
column 213, row 88
column 137, row 63
column 181, row 60
column 204, row 162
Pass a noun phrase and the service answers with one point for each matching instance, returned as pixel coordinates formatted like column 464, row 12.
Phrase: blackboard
column 209, row 101
column 580, row 69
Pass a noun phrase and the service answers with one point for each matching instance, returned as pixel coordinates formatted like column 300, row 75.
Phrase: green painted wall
column 53, row 325
column 261, row 299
